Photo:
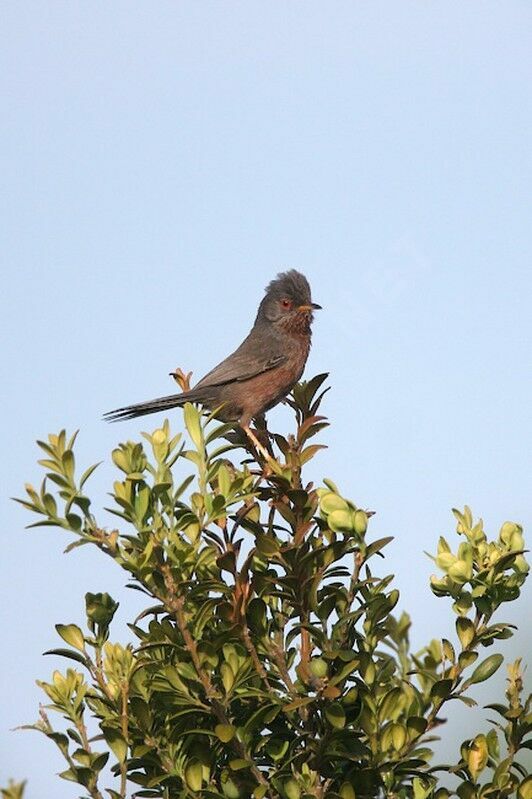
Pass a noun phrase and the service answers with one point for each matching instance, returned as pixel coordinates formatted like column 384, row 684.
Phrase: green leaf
column 142, row 501
column 319, row 667
column 72, row 634
column 376, row 546
column 225, row 732
column 71, row 774
column 74, row 521
column 80, row 542
column 116, row 743
column 389, row 703
column 100, row 608
column 194, row 775
column 99, row 761
column 14, row 790
column 360, row 522
column 422, row 787
column 466, row 790
column 228, row 677
column 277, row 748
column 502, row 709
column 445, row 560
column 331, row 502
column 485, row 669
column 465, row 630
column 477, row 756
column 398, row 736
column 267, row 545
column 69, row 464
column 87, row 473
column 193, row 425
column 335, row 715
column 340, row 521
column 448, row 650
column 467, row 658
column 239, row 763
column 416, row 726
column 441, row 689
column 67, row 653
column 292, row 789
column 460, row 571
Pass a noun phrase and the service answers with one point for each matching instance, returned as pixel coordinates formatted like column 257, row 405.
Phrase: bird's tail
column 152, row 406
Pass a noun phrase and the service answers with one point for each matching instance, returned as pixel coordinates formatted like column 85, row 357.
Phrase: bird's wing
column 241, row 366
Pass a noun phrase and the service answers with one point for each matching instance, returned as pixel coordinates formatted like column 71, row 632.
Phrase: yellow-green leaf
column 477, row 756
column 466, row 631
column 398, row 736
column 116, row 743
column 318, row 667
column 330, row 502
column 194, row 775
column 360, row 523
column 335, row 715
column 460, row 571
column 225, row 732
column 340, row 521
column 292, row 789
column 193, row 425
column 72, row 634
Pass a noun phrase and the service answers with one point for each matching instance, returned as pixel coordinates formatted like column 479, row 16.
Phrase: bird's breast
column 269, row 388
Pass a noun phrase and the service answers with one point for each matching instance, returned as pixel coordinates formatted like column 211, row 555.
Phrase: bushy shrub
column 268, row 661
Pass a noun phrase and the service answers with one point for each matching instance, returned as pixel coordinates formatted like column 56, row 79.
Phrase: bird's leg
column 263, row 434
column 256, row 443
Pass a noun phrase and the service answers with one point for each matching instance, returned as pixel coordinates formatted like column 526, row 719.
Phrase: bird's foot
column 263, row 434
column 260, row 448
column 269, row 465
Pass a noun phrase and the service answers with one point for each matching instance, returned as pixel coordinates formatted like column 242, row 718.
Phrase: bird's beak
column 313, row 306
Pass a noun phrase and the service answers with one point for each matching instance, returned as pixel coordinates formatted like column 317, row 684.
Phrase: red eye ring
column 286, row 303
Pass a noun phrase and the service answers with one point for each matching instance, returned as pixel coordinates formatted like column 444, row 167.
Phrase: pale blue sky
column 162, row 161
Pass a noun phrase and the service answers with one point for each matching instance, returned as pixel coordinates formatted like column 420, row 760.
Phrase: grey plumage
column 262, row 370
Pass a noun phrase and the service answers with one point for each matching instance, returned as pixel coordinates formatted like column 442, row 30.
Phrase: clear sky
column 161, row 162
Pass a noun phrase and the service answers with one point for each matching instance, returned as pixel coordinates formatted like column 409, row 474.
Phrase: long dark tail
column 152, row 406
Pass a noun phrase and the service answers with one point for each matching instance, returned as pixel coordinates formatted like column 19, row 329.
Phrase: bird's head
column 288, row 303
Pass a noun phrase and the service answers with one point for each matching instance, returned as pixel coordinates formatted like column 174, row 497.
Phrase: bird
column 261, row 372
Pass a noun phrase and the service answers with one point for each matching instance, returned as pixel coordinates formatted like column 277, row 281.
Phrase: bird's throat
column 297, row 324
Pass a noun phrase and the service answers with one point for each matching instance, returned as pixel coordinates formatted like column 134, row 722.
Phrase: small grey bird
column 264, row 368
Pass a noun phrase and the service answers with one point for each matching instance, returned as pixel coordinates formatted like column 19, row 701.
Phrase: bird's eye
column 286, row 303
